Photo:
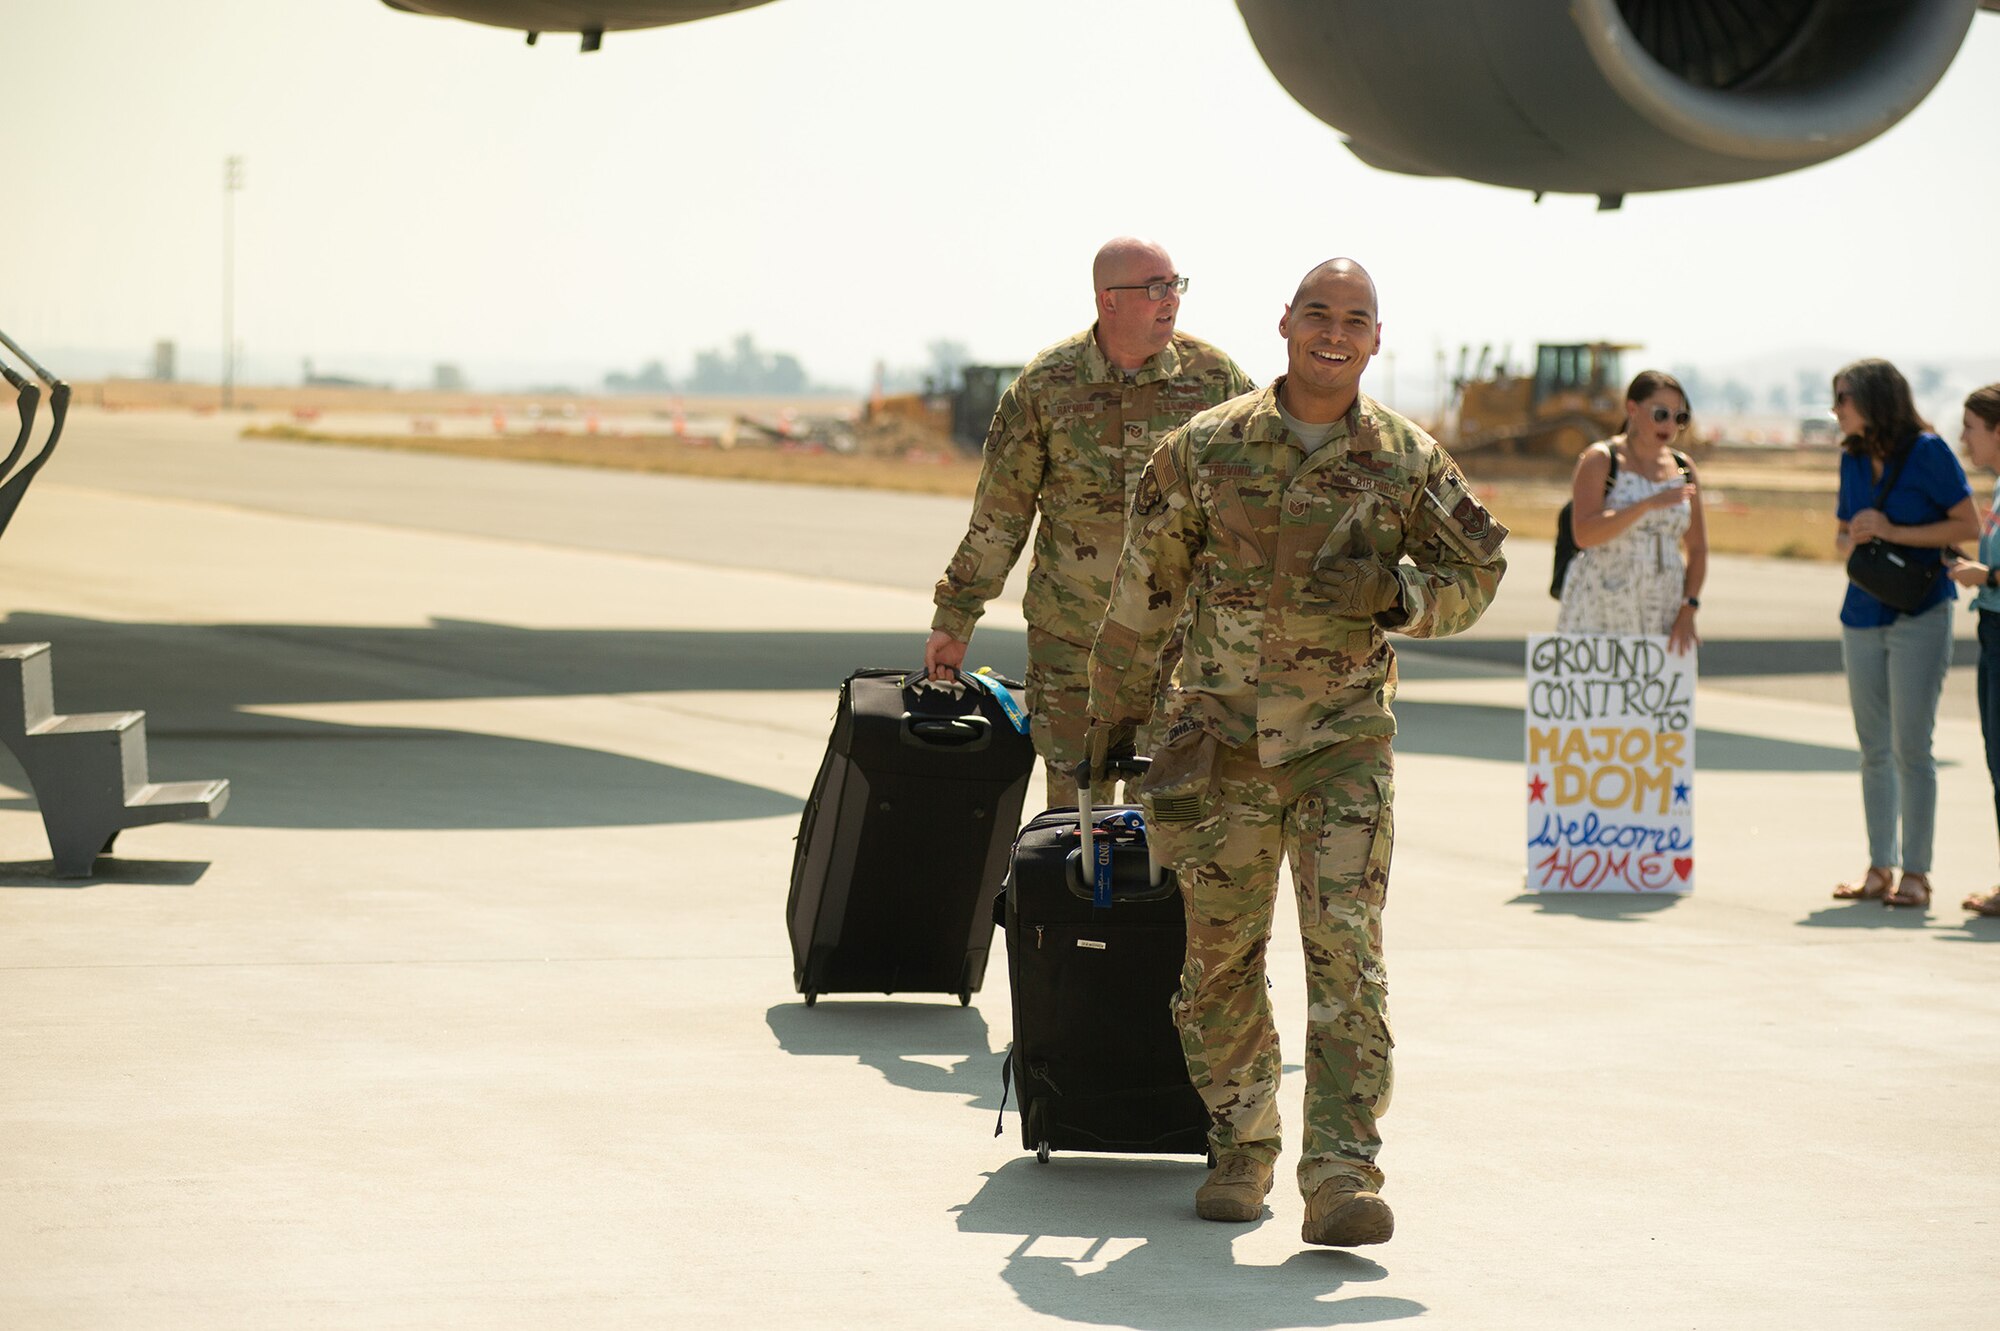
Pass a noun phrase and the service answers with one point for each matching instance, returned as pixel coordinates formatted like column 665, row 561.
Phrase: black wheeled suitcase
column 1094, row 967
column 902, row 847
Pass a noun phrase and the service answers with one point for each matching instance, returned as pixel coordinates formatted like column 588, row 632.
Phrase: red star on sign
column 1536, row 790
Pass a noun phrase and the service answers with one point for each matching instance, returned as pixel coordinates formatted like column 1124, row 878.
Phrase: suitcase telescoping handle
column 956, row 732
column 1096, row 860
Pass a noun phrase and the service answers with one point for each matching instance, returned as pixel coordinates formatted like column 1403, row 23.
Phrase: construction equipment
column 1575, row 395
column 977, row 398
column 938, row 418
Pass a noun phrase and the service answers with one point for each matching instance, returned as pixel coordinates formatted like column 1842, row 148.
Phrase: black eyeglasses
column 1661, row 416
column 1157, row 290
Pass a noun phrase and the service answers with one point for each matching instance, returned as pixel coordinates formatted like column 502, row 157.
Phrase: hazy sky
column 849, row 179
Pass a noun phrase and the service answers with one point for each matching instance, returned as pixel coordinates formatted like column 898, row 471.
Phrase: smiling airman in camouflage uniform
column 1292, row 558
column 1068, row 442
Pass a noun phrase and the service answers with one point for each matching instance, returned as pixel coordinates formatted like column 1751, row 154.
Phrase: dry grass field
column 1743, row 519
column 930, row 474
column 1780, row 511
column 146, row 394
column 1763, row 501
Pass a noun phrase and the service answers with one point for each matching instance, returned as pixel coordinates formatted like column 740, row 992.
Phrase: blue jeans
column 1895, row 675
column 1989, row 698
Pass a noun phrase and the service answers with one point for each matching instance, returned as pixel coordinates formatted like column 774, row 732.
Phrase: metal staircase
column 88, row 769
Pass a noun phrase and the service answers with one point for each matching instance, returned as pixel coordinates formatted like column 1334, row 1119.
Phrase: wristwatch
column 1692, row 603
column 1993, row 575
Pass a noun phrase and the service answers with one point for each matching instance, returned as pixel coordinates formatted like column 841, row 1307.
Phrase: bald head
column 1338, row 268
column 1127, row 259
column 1330, row 332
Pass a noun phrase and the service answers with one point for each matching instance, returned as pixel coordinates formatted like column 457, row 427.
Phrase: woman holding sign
column 1981, row 438
column 1636, row 507
column 1900, row 486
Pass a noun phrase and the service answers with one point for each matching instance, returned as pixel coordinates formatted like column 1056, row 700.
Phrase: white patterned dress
column 1636, row 581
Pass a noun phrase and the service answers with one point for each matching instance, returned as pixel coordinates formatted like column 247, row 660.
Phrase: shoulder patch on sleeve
column 1148, row 500
column 1462, row 519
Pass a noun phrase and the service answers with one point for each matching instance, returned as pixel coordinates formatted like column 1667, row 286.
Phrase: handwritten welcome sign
column 1610, row 765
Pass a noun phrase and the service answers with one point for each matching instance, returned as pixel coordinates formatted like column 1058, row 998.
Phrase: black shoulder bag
column 1892, row 573
column 1566, row 546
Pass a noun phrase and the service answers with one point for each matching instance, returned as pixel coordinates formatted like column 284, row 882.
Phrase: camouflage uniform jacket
column 1070, row 438
column 1232, row 514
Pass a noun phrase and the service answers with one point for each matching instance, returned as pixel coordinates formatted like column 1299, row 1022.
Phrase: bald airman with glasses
column 1068, row 444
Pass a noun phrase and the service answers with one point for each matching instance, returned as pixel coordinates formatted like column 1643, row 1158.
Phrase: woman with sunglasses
column 1981, row 576
column 1636, row 505
column 1898, row 483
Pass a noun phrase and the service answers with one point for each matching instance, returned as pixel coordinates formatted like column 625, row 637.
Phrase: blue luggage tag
column 1101, row 848
column 1003, row 695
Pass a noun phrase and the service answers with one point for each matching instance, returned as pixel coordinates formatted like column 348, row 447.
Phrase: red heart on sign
column 1684, row 867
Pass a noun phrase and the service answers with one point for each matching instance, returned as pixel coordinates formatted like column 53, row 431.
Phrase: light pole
column 232, row 183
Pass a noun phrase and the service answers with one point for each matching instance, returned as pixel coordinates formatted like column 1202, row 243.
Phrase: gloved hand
column 1110, row 743
column 1362, row 588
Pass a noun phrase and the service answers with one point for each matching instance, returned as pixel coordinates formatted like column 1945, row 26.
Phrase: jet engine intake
column 1607, row 97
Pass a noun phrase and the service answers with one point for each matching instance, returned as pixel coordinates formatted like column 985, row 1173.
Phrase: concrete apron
column 475, row 1009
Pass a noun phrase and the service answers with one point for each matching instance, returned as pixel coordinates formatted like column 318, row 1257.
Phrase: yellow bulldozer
column 1575, row 394
column 938, row 418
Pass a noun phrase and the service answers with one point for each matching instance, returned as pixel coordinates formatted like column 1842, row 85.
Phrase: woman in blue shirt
column 1896, row 661
column 1981, row 438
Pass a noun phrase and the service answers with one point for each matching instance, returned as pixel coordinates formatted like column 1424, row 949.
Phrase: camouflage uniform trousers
column 1058, row 689
column 1058, row 699
column 1330, row 813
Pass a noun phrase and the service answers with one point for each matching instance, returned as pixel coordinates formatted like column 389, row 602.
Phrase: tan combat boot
column 1340, row 1214
column 1235, row 1189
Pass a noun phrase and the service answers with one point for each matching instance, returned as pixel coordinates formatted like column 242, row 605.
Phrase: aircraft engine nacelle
column 1607, row 97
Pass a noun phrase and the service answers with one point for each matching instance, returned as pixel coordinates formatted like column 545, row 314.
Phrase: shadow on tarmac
column 904, row 1041
column 135, row 873
column 215, row 667
column 899, row 1040
column 1874, row 915
column 1867, row 915
column 284, row 772
column 304, row 774
column 1115, row 1242
column 1600, row 905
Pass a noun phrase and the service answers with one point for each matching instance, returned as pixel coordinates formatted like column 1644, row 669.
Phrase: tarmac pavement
column 474, row 1009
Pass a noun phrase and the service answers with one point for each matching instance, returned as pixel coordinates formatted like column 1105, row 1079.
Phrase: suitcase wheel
column 1042, row 1153
column 811, row 998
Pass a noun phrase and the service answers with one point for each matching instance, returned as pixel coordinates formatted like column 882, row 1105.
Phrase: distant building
column 447, row 378
column 311, row 379
column 163, row 360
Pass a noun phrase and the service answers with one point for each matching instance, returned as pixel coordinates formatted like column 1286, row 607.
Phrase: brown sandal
column 1914, row 890
column 1989, row 904
column 1874, row 886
